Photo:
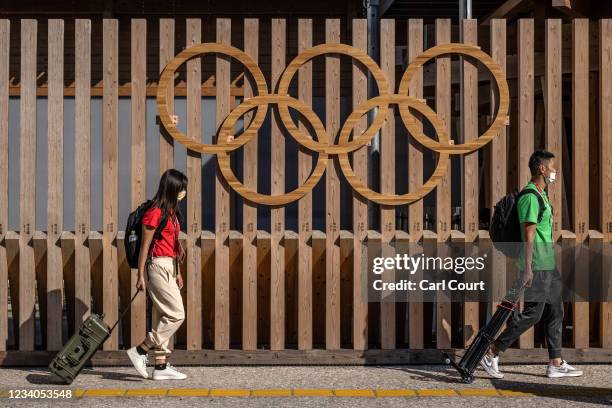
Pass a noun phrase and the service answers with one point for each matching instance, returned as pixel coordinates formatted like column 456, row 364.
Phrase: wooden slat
column 82, row 126
column 249, row 210
column 443, row 191
column 166, row 53
column 605, row 158
column 499, row 160
column 332, row 192
column 4, row 158
column 470, row 167
column 580, row 153
column 387, row 174
column 554, row 112
column 415, row 179
column 27, row 188
column 360, row 206
column 305, row 203
column 138, row 312
column 110, row 164
column 194, row 194
column 277, row 215
column 55, row 174
column 222, row 206
column 526, row 120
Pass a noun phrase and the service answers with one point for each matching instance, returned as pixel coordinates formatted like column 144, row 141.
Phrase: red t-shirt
column 167, row 244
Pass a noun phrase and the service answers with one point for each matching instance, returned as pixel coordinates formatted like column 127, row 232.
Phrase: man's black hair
column 538, row 157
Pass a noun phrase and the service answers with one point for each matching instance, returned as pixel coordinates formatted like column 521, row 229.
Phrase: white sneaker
column 169, row 373
column 139, row 361
column 564, row 370
column 491, row 365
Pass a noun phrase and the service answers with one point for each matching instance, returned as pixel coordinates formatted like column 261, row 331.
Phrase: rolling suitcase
column 81, row 347
column 476, row 351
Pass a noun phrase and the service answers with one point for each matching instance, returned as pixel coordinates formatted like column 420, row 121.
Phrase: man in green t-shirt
column 542, row 296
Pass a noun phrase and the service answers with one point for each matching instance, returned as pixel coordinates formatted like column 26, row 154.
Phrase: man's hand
column 527, row 276
column 140, row 284
column 179, row 281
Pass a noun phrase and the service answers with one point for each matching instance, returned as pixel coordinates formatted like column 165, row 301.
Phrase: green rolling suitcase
column 81, row 347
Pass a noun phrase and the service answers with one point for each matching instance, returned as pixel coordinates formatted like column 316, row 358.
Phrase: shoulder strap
column 539, row 197
column 158, row 231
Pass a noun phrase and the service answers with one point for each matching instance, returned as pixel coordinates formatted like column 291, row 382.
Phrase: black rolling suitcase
column 81, row 347
column 487, row 335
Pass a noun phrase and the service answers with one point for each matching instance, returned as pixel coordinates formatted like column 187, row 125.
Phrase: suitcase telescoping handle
column 125, row 310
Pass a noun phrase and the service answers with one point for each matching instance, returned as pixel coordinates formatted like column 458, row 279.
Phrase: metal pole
column 372, row 10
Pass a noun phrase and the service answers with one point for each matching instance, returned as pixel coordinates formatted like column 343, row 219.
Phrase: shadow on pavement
column 41, row 377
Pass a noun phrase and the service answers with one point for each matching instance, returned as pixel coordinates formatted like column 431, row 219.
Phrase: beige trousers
column 168, row 313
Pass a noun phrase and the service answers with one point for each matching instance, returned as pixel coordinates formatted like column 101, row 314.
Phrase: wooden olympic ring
column 167, row 79
column 223, row 157
column 288, row 74
column 502, row 87
column 407, row 102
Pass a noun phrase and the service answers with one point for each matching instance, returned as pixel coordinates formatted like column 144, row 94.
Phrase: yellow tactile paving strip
column 329, row 392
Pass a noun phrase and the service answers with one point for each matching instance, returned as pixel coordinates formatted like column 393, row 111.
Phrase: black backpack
column 505, row 228
column 133, row 233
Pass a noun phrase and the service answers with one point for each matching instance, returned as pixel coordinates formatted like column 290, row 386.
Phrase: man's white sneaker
column 169, row 373
column 491, row 365
column 564, row 370
column 139, row 361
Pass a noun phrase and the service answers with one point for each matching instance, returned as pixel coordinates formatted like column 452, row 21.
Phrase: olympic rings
column 167, row 78
column 502, row 87
column 324, row 145
column 402, row 101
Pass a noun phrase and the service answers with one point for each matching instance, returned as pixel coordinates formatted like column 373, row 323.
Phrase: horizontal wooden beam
column 126, row 90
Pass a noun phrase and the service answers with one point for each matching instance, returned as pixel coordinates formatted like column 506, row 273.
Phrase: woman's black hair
column 171, row 183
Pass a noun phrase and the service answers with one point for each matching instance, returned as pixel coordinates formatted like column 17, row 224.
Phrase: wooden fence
column 282, row 296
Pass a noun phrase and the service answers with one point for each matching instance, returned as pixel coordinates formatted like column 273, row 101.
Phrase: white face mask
column 552, row 177
column 182, row 195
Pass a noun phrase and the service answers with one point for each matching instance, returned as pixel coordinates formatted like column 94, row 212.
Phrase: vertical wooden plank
column 470, row 166
column 443, row 191
column 82, row 126
column 605, row 158
column 525, row 119
column 5, row 32
column 360, row 206
column 332, row 192
column 166, row 53
column 305, row 203
column 139, row 152
column 498, row 170
column 554, row 118
column 55, row 202
column 387, row 173
column 415, row 179
column 580, row 153
column 110, row 276
column 194, row 194
column 277, row 215
column 27, row 190
column 249, row 211
column 222, row 205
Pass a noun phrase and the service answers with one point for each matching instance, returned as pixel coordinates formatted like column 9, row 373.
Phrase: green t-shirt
column 528, row 208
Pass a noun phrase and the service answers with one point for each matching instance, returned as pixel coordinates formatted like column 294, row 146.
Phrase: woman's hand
column 179, row 281
column 140, row 284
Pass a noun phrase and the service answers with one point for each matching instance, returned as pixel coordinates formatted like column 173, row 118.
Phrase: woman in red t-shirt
column 163, row 280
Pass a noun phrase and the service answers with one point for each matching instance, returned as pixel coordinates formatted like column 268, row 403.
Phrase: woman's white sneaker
column 168, row 373
column 139, row 361
column 564, row 370
column 491, row 365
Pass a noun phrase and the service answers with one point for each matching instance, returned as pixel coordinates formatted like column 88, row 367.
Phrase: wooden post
column 55, row 176
column 305, row 203
column 5, row 31
column 277, row 214
column 332, row 192
column 166, row 53
column 360, row 206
